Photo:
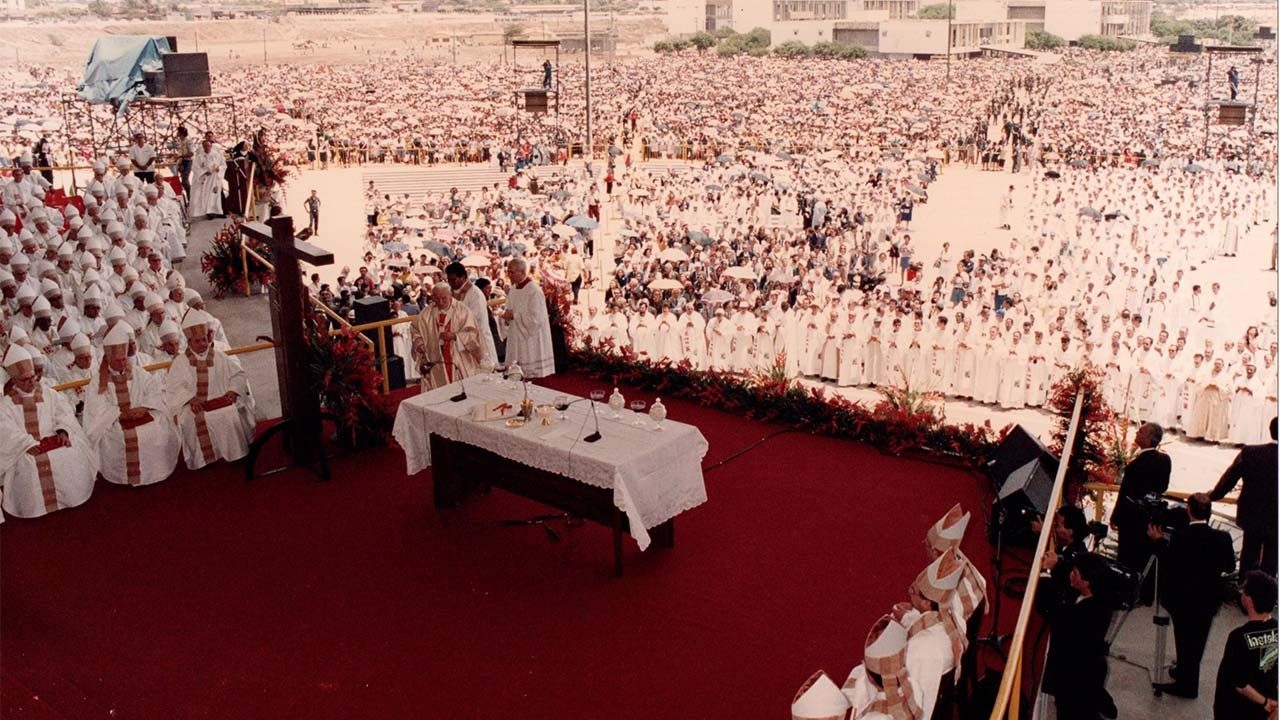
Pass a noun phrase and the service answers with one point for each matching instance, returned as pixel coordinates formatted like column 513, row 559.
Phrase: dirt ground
column 338, row 40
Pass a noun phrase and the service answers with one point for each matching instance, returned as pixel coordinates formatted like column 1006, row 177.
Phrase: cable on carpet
column 747, row 449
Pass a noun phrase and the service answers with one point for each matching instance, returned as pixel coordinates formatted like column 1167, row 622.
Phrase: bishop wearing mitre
column 445, row 340
column 46, row 463
column 126, row 418
column 208, row 395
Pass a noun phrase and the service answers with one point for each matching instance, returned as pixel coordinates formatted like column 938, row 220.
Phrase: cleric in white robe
column 126, row 418
column 528, row 328
column 473, row 297
column 445, row 340
column 208, row 394
column 882, row 686
column 208, row 165
column 46, row 463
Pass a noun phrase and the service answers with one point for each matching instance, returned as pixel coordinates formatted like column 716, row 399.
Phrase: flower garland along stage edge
column 889, row 425
column 223, row 267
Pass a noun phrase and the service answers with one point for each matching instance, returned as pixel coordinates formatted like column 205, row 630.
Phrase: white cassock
column 1012, row 391
column 829, row 367
column 850, row 356
column 719, row 335
column 693, row 339
column 667, row 338
column 873, row 352
column 218, row 434
column 990, row 361
column 143, row 454
column 744, row 330
column 643, row 338
column 473, row 298
column 63, row 477
column 207, row 170
column 529, row 331
column 929, row 658
column 1248, row 412
column 765, row 351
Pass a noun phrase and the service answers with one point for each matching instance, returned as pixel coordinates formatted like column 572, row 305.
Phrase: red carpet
column 204, row 597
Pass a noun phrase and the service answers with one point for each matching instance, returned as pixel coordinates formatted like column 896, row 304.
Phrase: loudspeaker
column 373, row 308
column 186, row 74
column 535, row 101
column 1233, row 114
column 1017, row 449
column 1026, row 491
column 153, row 82
column 395, row 372
column 173, row 43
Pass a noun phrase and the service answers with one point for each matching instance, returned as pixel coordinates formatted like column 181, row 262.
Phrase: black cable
column 745, row 450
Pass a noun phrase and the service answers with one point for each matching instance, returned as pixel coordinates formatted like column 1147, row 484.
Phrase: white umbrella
column 563, row 230
column 476, row 260
column 742, row 273
column 665, row 284
column 673, row 255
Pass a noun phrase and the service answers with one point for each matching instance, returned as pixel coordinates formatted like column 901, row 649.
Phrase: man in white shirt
column 142, row 156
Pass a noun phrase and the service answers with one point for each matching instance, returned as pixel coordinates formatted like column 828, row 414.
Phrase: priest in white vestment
column 208, row 395
column 127, row 420
column 208, row 166
column 46, row 463
column 528, row 327
column 445, row 340
column 473, row 297
column 883, row 687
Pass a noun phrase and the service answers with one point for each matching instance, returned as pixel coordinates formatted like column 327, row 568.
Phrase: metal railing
column 1009, row 696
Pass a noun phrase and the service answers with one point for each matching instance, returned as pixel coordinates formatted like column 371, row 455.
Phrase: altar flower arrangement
column 770, row 396
column 1100, row 441
column 223, row 266
column 345, row 375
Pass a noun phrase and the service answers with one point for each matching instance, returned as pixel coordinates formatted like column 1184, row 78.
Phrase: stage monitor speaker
column 395, row 372
column 535, row 101
column 186, row 74
column 1023, row 498
column 173, row 43
column 1017, row 449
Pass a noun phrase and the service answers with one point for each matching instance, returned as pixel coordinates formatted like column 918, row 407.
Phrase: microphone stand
column 595, row 436
column 994, row 638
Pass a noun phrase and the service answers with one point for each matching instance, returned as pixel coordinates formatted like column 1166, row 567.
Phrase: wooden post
column 244, row 267
column 299, row 402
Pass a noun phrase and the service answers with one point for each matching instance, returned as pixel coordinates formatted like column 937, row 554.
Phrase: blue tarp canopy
column 114, row 70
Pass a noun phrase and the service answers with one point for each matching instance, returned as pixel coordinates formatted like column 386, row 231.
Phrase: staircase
column 420, row 181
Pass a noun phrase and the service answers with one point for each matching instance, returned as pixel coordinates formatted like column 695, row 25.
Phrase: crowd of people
column 111, row 365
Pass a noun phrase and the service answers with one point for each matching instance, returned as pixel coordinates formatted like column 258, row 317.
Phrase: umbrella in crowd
column 476, row 260
column 438, row 248
column 1193, row 168
column 699, row 237
column 563, row 230
column 582, row 222
column 665, row 284
column 395, row 247
column 1091, row 213
column 740, row 273
column 673, row 255
column 717, row 296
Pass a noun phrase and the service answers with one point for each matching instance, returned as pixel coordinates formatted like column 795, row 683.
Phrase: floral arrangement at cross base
column 1100, row 448
column 344, row 374
column 222, row 265
column 769, row 396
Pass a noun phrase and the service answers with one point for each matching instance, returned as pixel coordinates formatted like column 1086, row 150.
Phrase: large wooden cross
column 300, row 405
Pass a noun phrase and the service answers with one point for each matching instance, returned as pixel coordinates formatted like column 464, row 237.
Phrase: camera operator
column 1148, row 473
column 1075, row 672
column 1255, row 466
column 1192, row 564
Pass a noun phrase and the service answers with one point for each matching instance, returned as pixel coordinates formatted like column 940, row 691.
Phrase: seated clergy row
column 134, row 422
column 913, row 656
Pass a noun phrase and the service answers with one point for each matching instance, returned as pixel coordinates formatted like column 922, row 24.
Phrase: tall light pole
column 950, row 12
column 586, row 48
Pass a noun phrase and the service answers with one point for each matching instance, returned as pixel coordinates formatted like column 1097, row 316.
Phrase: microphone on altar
column 595, row 436
column 462, row 395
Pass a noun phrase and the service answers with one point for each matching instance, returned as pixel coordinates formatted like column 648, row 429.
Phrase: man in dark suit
column 1075, row 673
column 1256, row 508
column 1146, row 474
column 1192, row 564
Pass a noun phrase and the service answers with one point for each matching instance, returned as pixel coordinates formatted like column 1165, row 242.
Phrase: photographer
column 1247, row 676
column 1192, row 564
column 1070, row 529
column 1147, row 474
column 1075, row 672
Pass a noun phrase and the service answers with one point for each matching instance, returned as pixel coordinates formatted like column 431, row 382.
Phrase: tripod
column 993, row 637
column 1159, row 670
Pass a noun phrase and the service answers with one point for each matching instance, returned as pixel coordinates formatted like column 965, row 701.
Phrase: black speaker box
column 173, row 43
column 186, row 74
column 153, row 81
column 1233, row 114
column 1016, row 450
column 395, row 372
column 535, row 101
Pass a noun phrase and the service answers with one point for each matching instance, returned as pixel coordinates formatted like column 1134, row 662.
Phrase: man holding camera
column 1192, row 564
column 1075, row 672
column 1147, row 474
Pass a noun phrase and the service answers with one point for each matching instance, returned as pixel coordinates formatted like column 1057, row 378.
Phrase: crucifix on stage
column 300, row 422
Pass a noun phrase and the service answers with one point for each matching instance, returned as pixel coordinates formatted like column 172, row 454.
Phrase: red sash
column 132, row 459
column 44, row 469
column 201, row 365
